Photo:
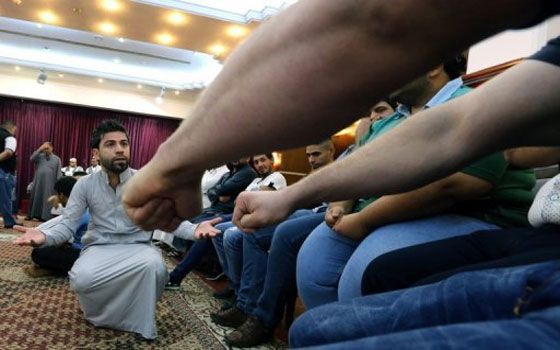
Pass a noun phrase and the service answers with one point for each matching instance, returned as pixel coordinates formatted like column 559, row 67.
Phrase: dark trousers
column 436, row 261
column 197, row 251
column 59, row 258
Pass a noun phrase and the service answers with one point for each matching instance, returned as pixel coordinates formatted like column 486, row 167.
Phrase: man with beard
column 485, row 194
column 267, row 180
column 119, row 276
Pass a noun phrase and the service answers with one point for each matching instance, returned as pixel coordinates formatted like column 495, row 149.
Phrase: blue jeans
column 256, row 257
column 325, row 254
column 7, row 185
column 507, row 308
column 280, row 276
column 218, row 242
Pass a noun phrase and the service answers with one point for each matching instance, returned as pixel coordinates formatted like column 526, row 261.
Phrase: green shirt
column 505, row 205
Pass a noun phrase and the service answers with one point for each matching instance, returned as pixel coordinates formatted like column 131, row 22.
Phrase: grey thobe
column 119, row 276
column 47, row 171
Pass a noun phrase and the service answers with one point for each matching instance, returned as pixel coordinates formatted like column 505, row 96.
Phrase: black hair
column 455, row 66
column 79, row 173
column 252, row 160
column 390, row 101
column 64, row 185
column 8, row 123
column 105, row 127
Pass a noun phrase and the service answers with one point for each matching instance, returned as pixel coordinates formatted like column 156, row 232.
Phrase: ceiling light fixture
column 236, row 31
column 139, row 86
column 177, row 92
column 217, row 49
column 176, row 18
column 99, row 80
column 48, row 16
column 42, row 77
column 18, row 68
column 111, row 5
column 121, row 40
column 165, row 38
column 39, row 25
column 107, row 27
column 60, row 75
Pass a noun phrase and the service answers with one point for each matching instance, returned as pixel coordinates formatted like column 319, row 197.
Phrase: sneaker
column 251, row 333
column 172, row 286
column 232, row 317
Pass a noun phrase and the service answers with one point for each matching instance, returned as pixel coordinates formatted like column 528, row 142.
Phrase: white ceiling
column 60, row 49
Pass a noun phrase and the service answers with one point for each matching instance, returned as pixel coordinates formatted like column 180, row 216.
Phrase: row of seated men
column 344, row 252
column 332, row 255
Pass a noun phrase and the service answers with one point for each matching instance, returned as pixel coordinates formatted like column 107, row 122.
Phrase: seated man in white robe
column 119, row 276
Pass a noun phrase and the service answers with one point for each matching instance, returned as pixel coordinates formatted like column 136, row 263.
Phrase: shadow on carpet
column 43, row 313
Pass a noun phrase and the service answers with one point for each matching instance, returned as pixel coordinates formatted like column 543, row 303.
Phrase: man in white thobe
column 119, row 276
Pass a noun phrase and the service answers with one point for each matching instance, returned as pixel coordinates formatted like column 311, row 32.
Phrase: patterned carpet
column 43, row 313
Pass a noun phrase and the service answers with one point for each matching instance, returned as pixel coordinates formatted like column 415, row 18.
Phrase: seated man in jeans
column 475, row 289
column 435, row 261
column 222, row 197
column 333, row 257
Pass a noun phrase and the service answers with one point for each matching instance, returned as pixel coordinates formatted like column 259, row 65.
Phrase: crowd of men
column 425, row 235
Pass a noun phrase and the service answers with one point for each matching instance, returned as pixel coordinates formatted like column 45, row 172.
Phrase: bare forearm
column 314, row 68
column 530, row 157
column 6, row 154
column 407, row 206
column 441, row 140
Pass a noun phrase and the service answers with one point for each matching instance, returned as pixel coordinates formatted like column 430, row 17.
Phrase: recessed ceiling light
column 60, row 75
column 99, row 80
column 48, row 16
column 176, row 18
column 121, row 40
column 217, row 49
column 116, row 60
column 107, row 27
column 139, row 86
column 165, row 38
column 18, row 68
column 177, row 92
column 111, row 5
column 236, row 31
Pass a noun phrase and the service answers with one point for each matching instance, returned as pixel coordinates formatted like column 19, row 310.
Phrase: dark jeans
column 507, row 308
column 7, row 184
column 197, row 251
column 269, row 265
column 59, row 258
column 435, row 261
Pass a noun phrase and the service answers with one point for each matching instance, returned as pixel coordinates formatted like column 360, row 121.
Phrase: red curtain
column 69, row 128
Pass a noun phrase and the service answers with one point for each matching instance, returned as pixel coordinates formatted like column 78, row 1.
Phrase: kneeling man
column 119, row 276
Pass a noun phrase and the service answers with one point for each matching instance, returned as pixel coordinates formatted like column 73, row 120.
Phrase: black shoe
column 172, row 286
column 232, row 317
column 224, row 294
column 251, row 333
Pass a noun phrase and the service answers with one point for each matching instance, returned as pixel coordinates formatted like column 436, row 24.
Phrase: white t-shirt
column 209, row 180
column 11, row 143
column 276, row 180
column 546, row 205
